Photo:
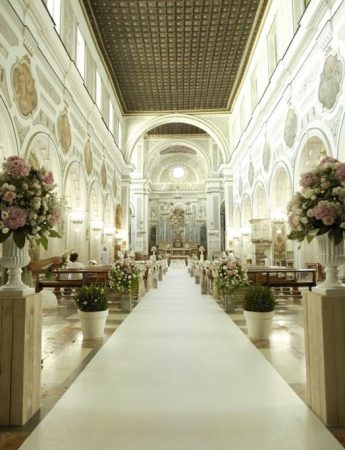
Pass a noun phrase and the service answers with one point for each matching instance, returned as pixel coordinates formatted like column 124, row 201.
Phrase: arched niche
column 8, row 140
column 42, row 152
column 259, row 202
column 246, row 216
column 109, row 224
column 280, row 191
column 312, row 150
column 95, row 208
column 76, row 207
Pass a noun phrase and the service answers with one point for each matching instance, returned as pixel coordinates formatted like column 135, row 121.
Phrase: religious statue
column 178, row 241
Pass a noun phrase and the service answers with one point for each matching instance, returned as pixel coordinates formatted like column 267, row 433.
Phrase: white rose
column 304, row 220
column 11, row 187
column 5, row 230
column 308, row 193
column 4, row 214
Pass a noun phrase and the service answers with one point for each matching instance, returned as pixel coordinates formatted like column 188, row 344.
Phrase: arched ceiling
column 176, row 55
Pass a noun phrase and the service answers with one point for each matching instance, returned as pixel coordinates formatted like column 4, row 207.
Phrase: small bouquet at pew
column 124, row 276
column 49, row 271
column 231, row 276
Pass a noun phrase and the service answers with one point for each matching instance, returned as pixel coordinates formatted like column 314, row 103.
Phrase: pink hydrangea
column 328, row 160
column 49, row 179
column 16, row 217
column 323, row 210
column 9, row 196
column 55, row 216
column 340, row 172
column 16, row 167
column 308, row 179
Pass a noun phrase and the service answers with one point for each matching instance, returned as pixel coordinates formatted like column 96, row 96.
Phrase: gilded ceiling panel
column 175, row 55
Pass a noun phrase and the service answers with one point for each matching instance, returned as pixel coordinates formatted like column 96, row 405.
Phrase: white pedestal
column 324, row 317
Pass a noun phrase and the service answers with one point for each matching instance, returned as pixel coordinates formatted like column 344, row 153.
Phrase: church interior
column 177, row 132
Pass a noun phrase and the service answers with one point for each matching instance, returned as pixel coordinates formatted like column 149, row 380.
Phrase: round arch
column 8, row 138
column 160, row 146
column 259, row 207
column 280, row 192
column 205, row 125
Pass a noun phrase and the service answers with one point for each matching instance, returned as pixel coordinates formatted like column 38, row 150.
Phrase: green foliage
column 259, row 298
column 92, row 298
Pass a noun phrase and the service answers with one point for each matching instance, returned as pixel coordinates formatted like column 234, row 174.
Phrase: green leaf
column 322, row 230
column 44, row 242
column 309, row 238
column 54, row 233
column 4, row 236
column 19, row 238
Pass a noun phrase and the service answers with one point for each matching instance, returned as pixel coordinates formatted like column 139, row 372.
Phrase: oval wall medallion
column 290, row 129
column 330, row 81
column 88, row 161
column 266, row 157
column 103, row 176
column 64, row 132
column 24, row 88
column 250, row 174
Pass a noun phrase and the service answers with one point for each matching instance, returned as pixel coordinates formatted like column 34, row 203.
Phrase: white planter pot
column 331, row 256
column 259, row 324
column 93, row 323
column 14, row 258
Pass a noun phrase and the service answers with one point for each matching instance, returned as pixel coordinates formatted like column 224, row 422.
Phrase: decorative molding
column 43, row 119
column 47, row 86
column 3, row 85
column 21, row 130
column 330, row 81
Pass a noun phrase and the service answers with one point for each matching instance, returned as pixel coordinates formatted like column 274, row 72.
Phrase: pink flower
column 340, row 172
column 321, row 211
column 308, row 179
column 9, row 196
column 49, row 179
column 16, row 167
column 54, row 216
column 328, row 160
column 16, row 217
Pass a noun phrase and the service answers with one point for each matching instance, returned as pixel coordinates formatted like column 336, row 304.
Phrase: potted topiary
column 258, row 304
column 92, row 303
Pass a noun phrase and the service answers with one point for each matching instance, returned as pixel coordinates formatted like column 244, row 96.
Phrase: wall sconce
column 246, row 230
column 141, row 229
column 109, row 230
column 97, row 225
column 77, row 217
column 211, row 230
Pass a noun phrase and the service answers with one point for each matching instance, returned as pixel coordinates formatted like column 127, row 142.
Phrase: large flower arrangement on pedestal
column 124, row 276
column 29, row 209
column 231, row 276
column 320, row 206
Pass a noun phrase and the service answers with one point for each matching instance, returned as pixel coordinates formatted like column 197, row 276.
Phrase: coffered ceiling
column 175, row 55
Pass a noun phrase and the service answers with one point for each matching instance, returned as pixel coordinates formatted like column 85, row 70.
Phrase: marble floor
column 65, row 355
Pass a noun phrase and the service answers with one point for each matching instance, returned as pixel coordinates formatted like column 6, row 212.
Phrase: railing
column 283, row 277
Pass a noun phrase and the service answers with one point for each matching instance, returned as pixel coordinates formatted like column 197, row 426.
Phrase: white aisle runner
column 179, row 375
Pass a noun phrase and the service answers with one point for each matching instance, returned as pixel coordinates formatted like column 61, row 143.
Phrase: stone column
column 125, row 193
column 229, row 208
column 213, row 201
column 140, row 192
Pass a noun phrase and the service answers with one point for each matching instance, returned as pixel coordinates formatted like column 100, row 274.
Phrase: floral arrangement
column 231, row 276
column 91, row 298
column 320, row 206
column 29, row 208
column 124, row 276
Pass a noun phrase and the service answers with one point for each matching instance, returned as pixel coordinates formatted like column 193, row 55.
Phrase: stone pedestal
column 324, row 317
column 20, row 358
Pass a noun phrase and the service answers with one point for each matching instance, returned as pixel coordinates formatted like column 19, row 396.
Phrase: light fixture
column 96, row 225
column 141, row 228
column 246, row 230
column 109, row 230
column 77, row 217
column 278, row 216
column 212, row 230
